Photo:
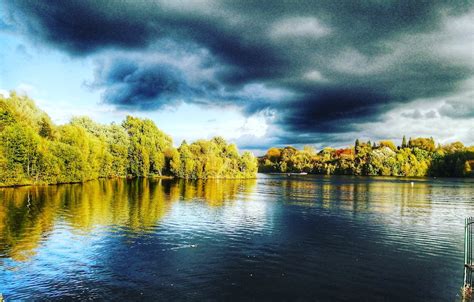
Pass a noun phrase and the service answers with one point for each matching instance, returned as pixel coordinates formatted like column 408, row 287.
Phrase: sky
column 258, row 73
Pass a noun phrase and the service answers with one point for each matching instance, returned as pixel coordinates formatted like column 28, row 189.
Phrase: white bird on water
column 412, row 183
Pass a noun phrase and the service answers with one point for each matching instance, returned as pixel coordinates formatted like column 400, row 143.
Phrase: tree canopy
column 35, row 151
column 418, row 157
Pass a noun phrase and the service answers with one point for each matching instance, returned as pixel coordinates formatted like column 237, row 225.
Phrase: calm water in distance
column 275, row 238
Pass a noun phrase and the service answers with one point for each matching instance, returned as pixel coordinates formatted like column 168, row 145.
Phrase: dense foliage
column 417, row 157
column 35, row 151
column 212, row 159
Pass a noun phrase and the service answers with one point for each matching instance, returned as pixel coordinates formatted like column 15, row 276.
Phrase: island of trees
column 35, row 151
column 415, row 157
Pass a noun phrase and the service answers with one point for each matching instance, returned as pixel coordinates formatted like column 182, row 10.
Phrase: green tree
column 468, row 168
column 45, row 128
column 147, row 147
column 427, row 144
column 20, row 145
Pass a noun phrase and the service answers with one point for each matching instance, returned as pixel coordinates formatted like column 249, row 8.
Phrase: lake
column 274, row 238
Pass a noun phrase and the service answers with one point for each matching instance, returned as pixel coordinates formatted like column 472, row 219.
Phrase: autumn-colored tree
column 388, row 144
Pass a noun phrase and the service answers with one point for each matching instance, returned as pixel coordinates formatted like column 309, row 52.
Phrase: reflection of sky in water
column 227, row 218
column 335, row 238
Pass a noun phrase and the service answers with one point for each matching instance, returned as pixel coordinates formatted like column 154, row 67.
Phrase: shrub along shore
column 35, row 151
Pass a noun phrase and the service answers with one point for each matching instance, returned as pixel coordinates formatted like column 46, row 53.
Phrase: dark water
column 275, row 238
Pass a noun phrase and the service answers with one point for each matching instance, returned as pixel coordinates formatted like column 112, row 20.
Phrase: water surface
column 275, row 238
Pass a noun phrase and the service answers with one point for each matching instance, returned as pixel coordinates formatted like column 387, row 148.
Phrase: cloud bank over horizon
column 316, row 72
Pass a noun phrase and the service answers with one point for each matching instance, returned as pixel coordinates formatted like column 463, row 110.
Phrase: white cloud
column 418, row 114
column 26, row 89
column 421, row 119
column 457, row 39
column 5, row 93
column 255, row 126
column 314, row 75
column 299, row 27
column 352, row 61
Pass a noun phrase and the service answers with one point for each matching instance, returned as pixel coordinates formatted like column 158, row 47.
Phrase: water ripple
column 276, row 238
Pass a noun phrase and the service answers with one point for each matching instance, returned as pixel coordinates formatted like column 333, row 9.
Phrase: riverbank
column 75, row 182
column 164, row 177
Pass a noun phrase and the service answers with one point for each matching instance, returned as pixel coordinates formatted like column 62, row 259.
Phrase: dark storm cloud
column 130, row 85
column 82, row 27
column 355, row 99
column 342, row 62
column 331, row 110
column 134, row 83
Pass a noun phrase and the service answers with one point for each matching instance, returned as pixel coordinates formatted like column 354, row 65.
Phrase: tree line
column 33, row 150
column 415, row 157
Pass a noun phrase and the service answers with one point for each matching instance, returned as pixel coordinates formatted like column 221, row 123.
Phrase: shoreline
column 364, row 176
column 164, row 177
column 290, row 174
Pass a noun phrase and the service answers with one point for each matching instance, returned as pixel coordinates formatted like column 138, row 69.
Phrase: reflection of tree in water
column 29, row 214
column 214, row 191
column 135, row 204
column 383, row 194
